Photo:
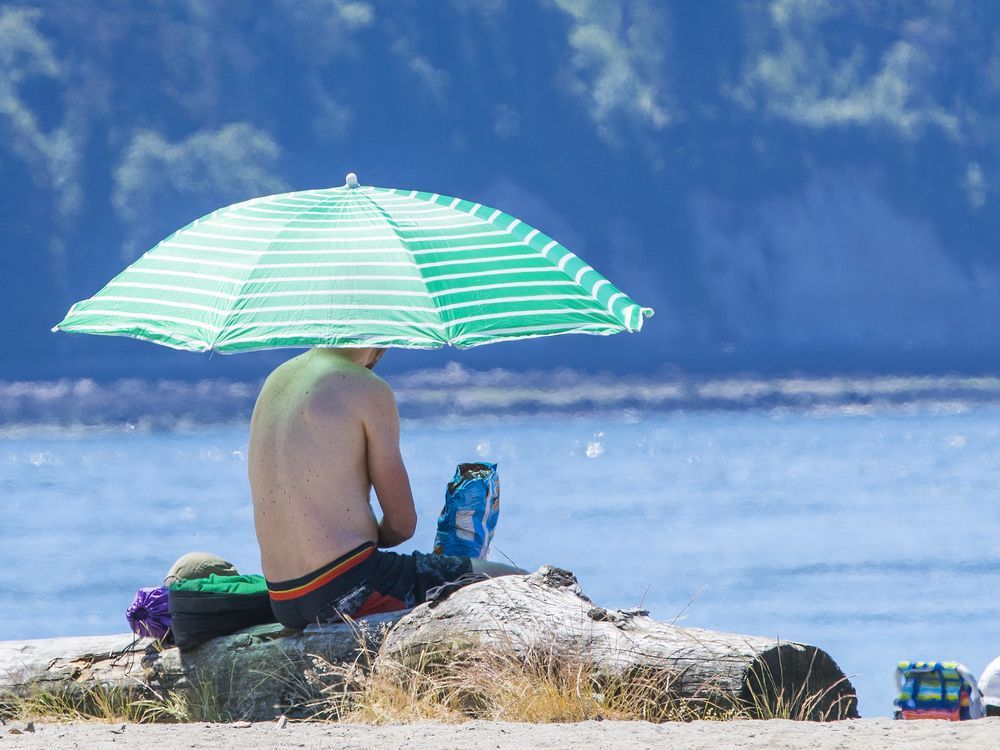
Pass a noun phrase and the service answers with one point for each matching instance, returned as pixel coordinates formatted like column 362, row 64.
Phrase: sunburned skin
column 325, row 430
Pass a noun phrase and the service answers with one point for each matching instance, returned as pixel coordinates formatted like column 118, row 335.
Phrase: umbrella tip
column 352, row 180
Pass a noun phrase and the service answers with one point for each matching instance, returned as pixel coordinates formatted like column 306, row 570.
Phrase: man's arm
column 386, row 470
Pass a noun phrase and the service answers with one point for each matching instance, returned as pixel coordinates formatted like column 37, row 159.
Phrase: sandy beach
column 862, row 733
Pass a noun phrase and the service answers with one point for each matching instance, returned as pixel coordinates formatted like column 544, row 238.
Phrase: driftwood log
column 264, row 671
column 256, row 674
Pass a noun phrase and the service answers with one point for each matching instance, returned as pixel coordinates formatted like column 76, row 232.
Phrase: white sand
column 591, row 735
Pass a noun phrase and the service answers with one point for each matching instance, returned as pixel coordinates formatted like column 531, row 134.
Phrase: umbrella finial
column 352, row 180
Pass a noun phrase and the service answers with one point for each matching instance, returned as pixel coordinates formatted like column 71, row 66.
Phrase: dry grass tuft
column 141, row 705
column 499, row 685
column 136, row 703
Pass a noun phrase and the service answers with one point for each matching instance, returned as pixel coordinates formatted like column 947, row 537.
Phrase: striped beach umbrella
column 354, row 266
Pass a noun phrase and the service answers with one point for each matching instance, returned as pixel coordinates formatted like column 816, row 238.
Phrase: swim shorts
column 363, row 582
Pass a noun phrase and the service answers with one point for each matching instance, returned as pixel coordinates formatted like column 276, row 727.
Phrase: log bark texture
column 257, row 673
column 546, row 612
column 264, row 671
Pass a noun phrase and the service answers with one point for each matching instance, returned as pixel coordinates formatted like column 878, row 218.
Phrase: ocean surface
column 863, row 522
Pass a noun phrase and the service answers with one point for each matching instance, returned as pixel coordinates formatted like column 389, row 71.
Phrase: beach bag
column 471, row 509
column 205, row 608
column 937, row 690
column 149, row 613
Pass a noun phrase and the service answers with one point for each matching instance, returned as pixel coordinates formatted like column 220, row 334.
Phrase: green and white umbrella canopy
column 354, row 266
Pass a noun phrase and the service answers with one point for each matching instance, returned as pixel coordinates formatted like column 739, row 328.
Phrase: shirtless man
column 325, row 431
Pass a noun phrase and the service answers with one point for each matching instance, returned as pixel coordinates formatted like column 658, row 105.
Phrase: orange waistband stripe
column 322, row 578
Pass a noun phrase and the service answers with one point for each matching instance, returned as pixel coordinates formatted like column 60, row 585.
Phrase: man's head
column 376, row 354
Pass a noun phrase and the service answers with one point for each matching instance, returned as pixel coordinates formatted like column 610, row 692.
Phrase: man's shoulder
column 353, row 374
column 377, row 389
column 358, row 382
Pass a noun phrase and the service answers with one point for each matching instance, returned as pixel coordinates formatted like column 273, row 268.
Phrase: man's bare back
column 325, row 430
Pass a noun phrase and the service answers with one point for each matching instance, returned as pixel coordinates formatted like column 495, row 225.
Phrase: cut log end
column 797, row 682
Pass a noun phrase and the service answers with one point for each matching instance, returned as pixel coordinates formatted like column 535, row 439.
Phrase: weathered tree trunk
column 546, row 612
column 263, row 671
column 257, row 673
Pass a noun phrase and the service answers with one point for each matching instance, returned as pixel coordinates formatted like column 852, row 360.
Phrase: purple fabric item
column 148, row 615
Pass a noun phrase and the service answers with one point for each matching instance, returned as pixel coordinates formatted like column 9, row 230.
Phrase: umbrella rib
column 403, row 241
column 529, row 242
column 535, row 236
column 231, row 311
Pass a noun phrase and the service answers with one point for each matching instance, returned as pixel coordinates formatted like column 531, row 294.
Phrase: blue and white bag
column 937, row 690
column 471, row 509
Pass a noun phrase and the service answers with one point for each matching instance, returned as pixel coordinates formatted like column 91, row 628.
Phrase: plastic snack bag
column 471, row 509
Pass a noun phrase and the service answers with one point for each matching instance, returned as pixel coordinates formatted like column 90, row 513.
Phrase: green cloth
column 213, row 584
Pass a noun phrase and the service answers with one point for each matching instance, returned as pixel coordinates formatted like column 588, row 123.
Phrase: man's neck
column 357, row 357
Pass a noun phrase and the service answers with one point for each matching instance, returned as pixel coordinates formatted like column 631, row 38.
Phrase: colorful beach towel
column 937, row 690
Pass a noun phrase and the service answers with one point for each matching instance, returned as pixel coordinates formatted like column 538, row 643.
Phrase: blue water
column 871, row 532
